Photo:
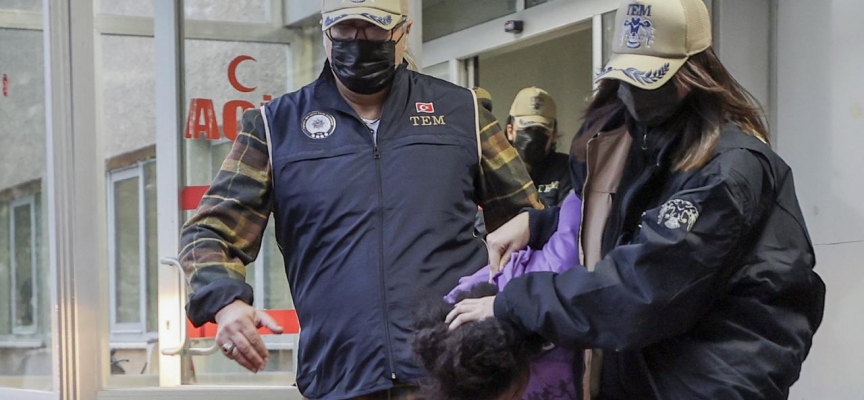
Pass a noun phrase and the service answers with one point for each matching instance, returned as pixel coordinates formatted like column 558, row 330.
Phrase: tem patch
column 319, row 125
column 677, row 214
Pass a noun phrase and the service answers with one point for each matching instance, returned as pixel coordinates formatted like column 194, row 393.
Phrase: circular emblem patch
column 677, row 214
column 319, row 125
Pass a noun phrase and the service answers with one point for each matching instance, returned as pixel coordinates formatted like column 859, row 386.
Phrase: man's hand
column 508, row 239
column 471, row 310
column 238, row 334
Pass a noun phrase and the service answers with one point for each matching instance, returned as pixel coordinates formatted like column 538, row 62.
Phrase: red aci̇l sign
column 202, row 118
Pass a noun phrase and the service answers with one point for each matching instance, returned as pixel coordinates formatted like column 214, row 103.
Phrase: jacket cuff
column 209, row 300
column 503, row 312
column 542, row 224
column 500, row 307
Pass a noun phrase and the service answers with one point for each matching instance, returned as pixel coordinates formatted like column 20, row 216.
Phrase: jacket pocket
column 317, row 154
column 431, row 139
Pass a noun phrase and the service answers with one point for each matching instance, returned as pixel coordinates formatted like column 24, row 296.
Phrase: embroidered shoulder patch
column 677, row 214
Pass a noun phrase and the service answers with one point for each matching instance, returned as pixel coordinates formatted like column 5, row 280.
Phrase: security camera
column 514, row 26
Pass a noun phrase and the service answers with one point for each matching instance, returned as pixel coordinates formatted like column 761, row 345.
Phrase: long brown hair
column 714, row 98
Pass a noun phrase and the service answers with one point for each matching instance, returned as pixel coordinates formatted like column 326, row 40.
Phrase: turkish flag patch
column 426, row 108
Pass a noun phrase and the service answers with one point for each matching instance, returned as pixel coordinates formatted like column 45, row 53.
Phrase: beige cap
column 533, row 107
column 384, row 13
column 655, row 38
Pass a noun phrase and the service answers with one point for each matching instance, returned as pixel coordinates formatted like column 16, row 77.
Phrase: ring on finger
column 228, row 348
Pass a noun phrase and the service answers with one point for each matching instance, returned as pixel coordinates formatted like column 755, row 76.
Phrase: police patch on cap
column 319, row 125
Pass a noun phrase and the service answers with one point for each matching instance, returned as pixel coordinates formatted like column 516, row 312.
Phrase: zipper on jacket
column 637, row 186
column 377, row 156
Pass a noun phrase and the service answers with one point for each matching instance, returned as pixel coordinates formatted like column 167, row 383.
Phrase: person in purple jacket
column 555, row 373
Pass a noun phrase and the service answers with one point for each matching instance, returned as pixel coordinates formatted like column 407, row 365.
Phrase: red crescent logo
column 232, row 74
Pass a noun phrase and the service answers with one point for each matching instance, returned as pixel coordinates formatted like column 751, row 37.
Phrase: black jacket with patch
column 706, row 288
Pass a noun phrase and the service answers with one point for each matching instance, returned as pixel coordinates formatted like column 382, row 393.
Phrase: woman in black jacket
column 698, row 279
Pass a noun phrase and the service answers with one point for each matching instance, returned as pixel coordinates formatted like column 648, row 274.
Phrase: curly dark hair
column 478, row 361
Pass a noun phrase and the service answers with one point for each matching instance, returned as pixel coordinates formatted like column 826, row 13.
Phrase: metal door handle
column 184, row 348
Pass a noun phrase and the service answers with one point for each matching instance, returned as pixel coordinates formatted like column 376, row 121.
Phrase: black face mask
column 531, row 145
column 364, row 67
column 650, row 107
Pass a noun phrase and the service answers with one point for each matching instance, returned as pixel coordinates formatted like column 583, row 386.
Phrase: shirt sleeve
column 658, row 285
column 505, row 186
column 226, row 232
column 542, row 225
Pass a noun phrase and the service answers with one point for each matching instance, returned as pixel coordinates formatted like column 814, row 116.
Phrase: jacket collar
column 658, row 143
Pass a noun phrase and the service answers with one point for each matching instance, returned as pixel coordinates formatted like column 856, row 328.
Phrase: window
column 132, row 249
column 23, row 5
column 443, row 17
column 250, row 11
column 20, row 268
column 534, row 3
column 22, row 248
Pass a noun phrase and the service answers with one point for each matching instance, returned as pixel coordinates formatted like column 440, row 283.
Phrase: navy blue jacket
column 706, row 289
column 364, row 224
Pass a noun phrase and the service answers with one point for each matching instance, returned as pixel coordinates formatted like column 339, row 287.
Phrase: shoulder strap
column 477, row 126
column 267, row 136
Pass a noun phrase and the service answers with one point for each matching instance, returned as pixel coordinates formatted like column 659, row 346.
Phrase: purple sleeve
column 559, row 254
column 468, row 282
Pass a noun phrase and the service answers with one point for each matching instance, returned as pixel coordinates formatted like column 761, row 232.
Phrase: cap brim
column 378, row 17
column 533, row 120
column 645, row 72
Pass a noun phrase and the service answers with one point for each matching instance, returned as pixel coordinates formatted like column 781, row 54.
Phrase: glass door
column 560, row 63
column 235, row 56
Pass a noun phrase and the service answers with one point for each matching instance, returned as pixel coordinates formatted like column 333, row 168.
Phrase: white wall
column 743, row 43
column 820, row 133
column 301, row 12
